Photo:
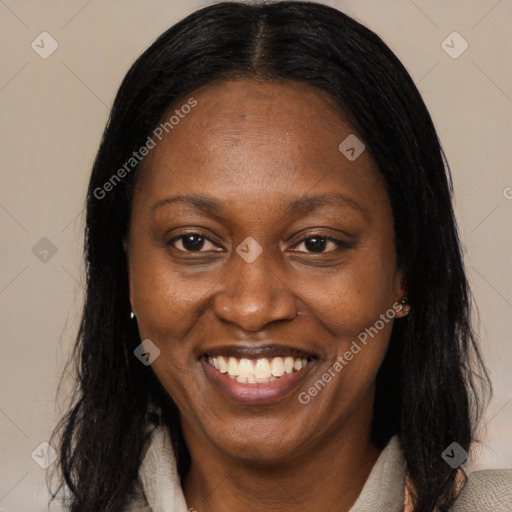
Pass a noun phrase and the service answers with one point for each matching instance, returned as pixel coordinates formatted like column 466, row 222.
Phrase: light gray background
column 53, row 112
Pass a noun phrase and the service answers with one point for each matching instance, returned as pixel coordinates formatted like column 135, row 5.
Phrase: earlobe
column 402, row 306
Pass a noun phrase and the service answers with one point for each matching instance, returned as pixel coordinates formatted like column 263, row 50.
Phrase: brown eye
column 318, row 244
column 190, row 242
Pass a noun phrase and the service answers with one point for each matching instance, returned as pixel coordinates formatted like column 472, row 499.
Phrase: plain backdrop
column 54, row 109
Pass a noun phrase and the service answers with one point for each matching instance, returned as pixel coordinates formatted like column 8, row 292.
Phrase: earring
column 405, row 306
column 132, row 316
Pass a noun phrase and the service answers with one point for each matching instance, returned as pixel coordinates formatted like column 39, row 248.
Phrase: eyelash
column 340, row 243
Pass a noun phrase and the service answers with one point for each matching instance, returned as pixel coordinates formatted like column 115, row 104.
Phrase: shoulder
column 489, row 489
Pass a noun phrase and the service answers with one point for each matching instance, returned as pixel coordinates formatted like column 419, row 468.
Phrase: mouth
column 256, row 375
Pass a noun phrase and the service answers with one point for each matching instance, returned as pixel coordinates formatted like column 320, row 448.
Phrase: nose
column 254, row 294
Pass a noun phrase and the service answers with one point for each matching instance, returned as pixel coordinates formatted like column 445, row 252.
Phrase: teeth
column 277, row 366
column 223, row 367
column 288, row 364
column 246, row 368
column 232, row 366
column 261, row 370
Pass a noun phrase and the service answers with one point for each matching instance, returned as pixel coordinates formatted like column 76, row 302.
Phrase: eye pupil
column 315, row 243
column 193, row 242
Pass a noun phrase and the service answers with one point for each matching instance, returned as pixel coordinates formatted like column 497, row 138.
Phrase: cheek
column 355, row 307
column 163, row 305
column 162, row 298
column 165, row 313
column 354, row 297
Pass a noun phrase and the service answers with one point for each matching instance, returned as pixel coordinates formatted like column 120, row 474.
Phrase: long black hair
column 428, row 387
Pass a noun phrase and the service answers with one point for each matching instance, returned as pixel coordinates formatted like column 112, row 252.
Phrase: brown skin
column 255, row 147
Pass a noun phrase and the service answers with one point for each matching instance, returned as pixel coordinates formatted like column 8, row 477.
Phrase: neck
column 328, row 475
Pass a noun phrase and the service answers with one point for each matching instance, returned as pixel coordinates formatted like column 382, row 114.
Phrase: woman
column 277, row 315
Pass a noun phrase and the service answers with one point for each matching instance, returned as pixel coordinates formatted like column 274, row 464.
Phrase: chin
column 260, row 440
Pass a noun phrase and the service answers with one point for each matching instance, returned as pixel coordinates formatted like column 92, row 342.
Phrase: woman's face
column 280, row 247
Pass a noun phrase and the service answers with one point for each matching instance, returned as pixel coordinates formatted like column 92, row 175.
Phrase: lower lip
column 256, row 393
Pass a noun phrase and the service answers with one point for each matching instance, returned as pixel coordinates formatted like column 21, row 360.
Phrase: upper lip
column 254, row 351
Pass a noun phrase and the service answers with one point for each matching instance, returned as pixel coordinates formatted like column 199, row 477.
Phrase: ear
column 401, row 293
column 126, row 249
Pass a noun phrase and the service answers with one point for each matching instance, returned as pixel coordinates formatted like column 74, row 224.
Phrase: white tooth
column 272, row 379
column 223, row 367
column 304, row 362
column 277, row 366
column 262, row 380
column 213, row 362
column 245, row 368
column 297, row 363
column 251, row 380
column 262, row 369
column 288, row 364
column 243, row 380
column 232, row 377
column 232, row 366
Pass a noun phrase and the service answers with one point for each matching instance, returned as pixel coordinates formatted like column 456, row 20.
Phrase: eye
column 319, row 242
column 190, row 242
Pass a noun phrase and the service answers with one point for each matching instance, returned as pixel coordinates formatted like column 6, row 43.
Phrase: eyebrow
column 301, row 205
column 307, row 204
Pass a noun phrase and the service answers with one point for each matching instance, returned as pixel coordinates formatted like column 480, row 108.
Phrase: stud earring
column 132, row 316
column 405, row 306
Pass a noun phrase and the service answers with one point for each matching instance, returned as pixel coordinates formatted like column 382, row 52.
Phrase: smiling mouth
column 258, row 371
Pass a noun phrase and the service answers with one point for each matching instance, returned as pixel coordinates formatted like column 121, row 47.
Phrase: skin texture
column 255, row 147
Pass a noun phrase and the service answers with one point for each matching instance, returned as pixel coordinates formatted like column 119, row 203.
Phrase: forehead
column 246, row 138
